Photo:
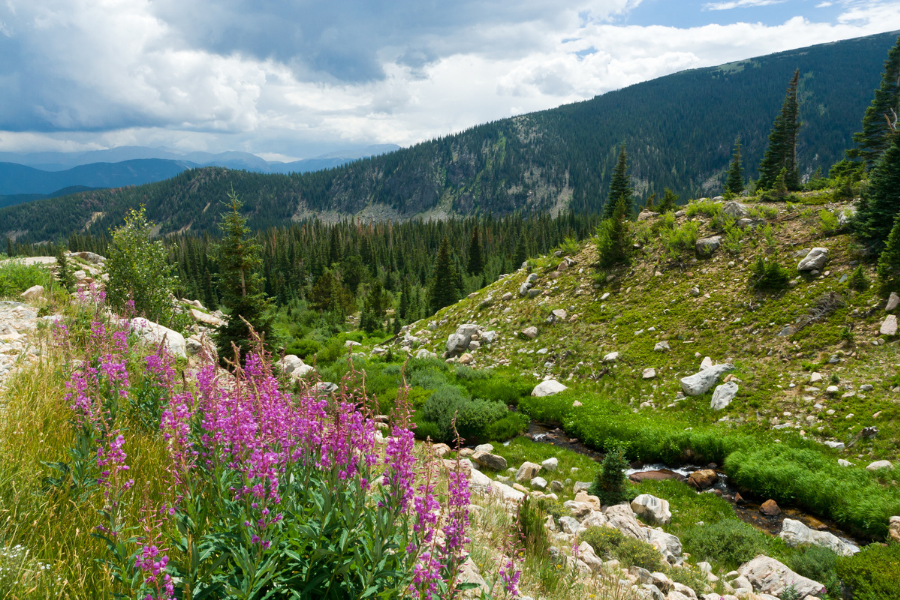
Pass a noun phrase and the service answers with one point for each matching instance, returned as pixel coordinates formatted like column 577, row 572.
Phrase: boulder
column 557, row 316
column 795, row 533
column 33, row 293
column 325, row 387
column 622, row 518
column 893, row 302
column 703, row 479
column 468, row 573
column 490, row 461
column 814, row 261
column 702, row 382
column 527, row 472
column 550, row 387
column 550, row 465
column 653, row 509
column 667, row 544
column 889, row 327
column 708, row 245
column 751, row 223
column 770, row 508
column 880, row 464
column 539, row 483
column 156, row 334
column 894, row 531
column 735, row 209
column 661, row 347
column 659, row 475
column 646, row 214
column 484, row 448
column 206, row 318
column 193, row 345
column 649, row 373
column 611, row 357
column 351, row 344
column 587, row 554
column 523, row 289
column 488, row 337
column 723, row 395
column 706, row 363
column 569, row 525
column 457, row 343
column 465, row 359
column 529, row 333
column 769, row 576
column 594, row 518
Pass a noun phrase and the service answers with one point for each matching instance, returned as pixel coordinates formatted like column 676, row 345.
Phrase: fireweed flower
column 154, row 565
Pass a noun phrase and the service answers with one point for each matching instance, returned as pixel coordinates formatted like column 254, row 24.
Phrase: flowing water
column 746, row 505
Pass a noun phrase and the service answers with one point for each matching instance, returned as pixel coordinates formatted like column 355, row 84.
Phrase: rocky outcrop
column 723, row 395
column 769, row 576
column 652, row 509
column 550, row 387
column 735, row 209
column 814, row 261
column 156, row 334
column 795, row 533
column 702, row 382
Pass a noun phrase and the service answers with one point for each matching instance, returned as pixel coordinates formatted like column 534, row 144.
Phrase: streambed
column 746, row 507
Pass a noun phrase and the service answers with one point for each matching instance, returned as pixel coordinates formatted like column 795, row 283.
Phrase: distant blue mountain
column 35, row 176
column 19, row 179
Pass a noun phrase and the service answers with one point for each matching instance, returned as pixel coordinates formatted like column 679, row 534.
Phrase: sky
column 289, row 79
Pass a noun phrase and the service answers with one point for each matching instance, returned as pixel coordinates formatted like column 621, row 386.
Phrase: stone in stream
column 795, row 533
column 703, row 479
column 770, row 508
column 660, row 475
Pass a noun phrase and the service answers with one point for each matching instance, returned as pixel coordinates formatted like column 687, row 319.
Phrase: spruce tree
column 620, row 186
column 889, row 261
column 443, row 291
column 476, row 257
column 876, row 134
column 735, row 182
column 240, row 284
column 63, row 274
column 521, row 253
column 781, row 152
column 669, row 202
column 881, row 200
column 612, row 237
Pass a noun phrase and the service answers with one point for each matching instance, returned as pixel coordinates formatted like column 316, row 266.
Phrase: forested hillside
column 679, row 131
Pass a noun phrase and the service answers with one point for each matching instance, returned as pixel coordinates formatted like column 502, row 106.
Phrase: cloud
column 740, row 4
column 301, row 78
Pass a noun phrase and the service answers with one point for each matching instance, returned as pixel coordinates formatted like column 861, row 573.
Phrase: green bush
column 768, row 276
column 604, row 540
column 729, row 542
column 819, row 564
column 828, row 222
column 498, row 389
column 532, row 534
column 303, row 348
column 473, row 417
column 610, row 483
column 873, row 573
column 682, row 239
column 507, row 427
column 16, row 277
column 707, row 208
column 858, row 280
column 635, row 553
column 332, row 350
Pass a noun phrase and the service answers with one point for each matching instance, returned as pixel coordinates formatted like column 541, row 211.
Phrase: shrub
column 532, row 534
column 733, row 237
column 610, row 482
column 16, row 277
column 728, row 542
column 612, row 239
column 635, row 553
column 828, row 223
column 604, row 540
column 682, row 239
column 333, row 350
column 858, row 280
column 498, row 389
column 139, row 272
column 768, row 276
column 507, row 427
column 303, row 348
column 707, row 208
column 817, row 563
column 873, row 573
column 473, row 417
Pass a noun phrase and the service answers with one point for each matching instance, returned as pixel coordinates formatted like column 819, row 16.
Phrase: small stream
column 746, row 506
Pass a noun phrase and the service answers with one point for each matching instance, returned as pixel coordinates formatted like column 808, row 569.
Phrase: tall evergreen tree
column 612, row 237
column 63, row 273
column 620, row 186
column 521, row 253
column 669, row 202
column 240, row 284
column 781, row 152
column 881, row 200
column 876, row 133
column 889, row 261
column 476, row 256
column 443, row 291
column 735, row 182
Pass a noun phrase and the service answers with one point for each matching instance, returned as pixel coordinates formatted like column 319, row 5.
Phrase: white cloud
column 85, row 75
column 740, row 4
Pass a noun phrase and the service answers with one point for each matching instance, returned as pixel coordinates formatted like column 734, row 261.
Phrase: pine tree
column 876, row 134
column 669, row 202
column 443, row 291
column 889, row 261
column 735, row 182
column 403, row 308
column 612, row 237
column 476, row 257
column 240, row 284
column 781, row 152
column 65, row 276
column 620, row 186
column 521, row 253
column 334, row 247
column 881, row 201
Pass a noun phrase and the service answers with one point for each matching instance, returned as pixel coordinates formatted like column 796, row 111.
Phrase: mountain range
column 25, row 177
column 679, row 132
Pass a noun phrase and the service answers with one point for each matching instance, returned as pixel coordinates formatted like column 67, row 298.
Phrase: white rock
column 835, row 445
column 527, row 472
column 611, row 357
column 530, row 332
column 880, row 464
column 484, row 448
column 550, row 387
column 889, row 327
column 706, row 363
column 649, row 373
column 893, row 302
column 815, row 377
column 702, row 382
column 723, row 395
column 769, row 576
column 539, row 483
column 814, row 261
column 33, row 293
column 795, row 533
column 351, row 343
column 550, row 465
column 661, row 347
column 206, row 318
column 844, row 463
column 155, row 334
column 652, row 508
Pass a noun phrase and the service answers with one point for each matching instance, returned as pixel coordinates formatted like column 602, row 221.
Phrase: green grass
column 16, row 277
